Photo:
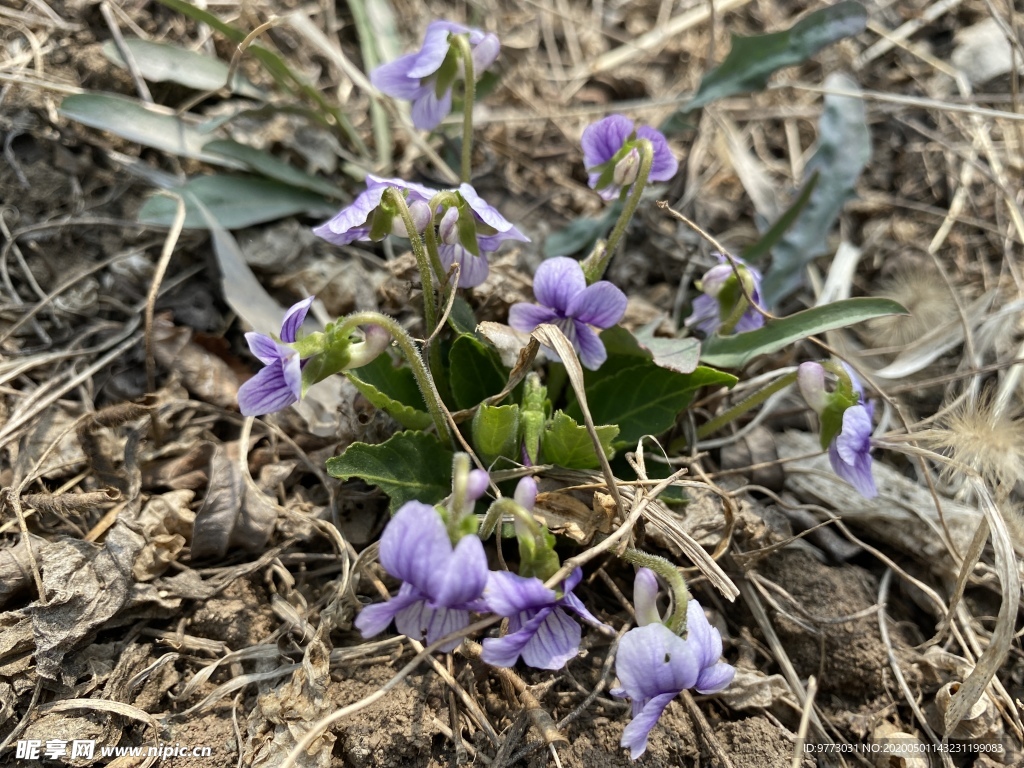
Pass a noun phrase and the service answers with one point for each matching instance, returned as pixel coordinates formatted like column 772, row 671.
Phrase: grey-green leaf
column 236, row 202
column 408, row 466
column 737, row 350
column 752, row 60
column 569, row 445
column 160, row 62
column 267, row 165
column 844, row 148
column 581, row 234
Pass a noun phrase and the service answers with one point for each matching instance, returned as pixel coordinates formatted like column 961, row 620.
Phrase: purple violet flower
column 709, row 310
column 421, row 77
column 355, row 221
column 539, row 626
column 279, row 383
column 654, row 665
column 490, row 230
column 441, row 585
column 612, row 159
column 568, row 302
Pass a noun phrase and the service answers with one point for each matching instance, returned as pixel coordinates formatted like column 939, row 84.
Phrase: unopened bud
column 419, row 211
column 811, row 379
column 645, row 597
column 376, row 340
column 476, row 484
column 526, row 493
column 626, row 169
column 448, row 229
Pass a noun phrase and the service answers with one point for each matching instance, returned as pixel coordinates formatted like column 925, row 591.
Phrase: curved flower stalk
column 291, row 365
column 723, row 305
column 845, row 419
column 426, row 77
column 441, row 583
column 469, row 231
column 565, row 300
column 654, row 664
column 611, row 155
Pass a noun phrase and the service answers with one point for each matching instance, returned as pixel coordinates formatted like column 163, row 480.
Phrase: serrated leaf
column 644, row 399
column 461, row 318
column 161, row 62
column 392, row 389
column 569, row 445
column 267, row 165
column 475, row 372
column 581, row 234
column 408, row 466
column 496, row 432
column 844, row 148
column 133, row 121
column 236, row 202
column 752, row 60
column 737, row 350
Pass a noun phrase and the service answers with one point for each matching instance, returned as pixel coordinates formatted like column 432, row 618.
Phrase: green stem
column 745, row 405
column 506, row 506
column 596, row 264
column 460, row 479
column 734, row 317
column 424, row 380
column 673, row 578
column 469, row 96
column 397, row 199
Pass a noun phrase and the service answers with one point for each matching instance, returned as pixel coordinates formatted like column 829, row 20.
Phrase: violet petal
column 394, row 80
column 664, row 164
column 525, row 317
column 601, row 304
column 715, row 678
column 634, row 736
column 508, row 593
column 428, row 110
column 591, row 348
column 266, row 392
column 461, row 577
column 601, row 140
column 556, row 641
column 265, row 349
column 414, row 544
column 557, row 282
column 703, row 639
column 473, row 270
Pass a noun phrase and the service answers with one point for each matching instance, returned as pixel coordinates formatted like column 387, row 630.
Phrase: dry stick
column 805, row 721
column 154, row 287
column 126, row 53
column 930, row 14
column 705, row 730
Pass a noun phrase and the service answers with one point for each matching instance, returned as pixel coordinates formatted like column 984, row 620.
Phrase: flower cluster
column 654, row 664
column 845, row 419
column 569, row 303
column 723, row 297
column 611, row 155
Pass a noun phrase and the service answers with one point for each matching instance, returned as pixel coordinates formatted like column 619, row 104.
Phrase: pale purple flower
column 540, row 629
column 491, row 230
column 611, row 157
column 441, row 585
column 568, row 302
column 355, row 221
column 279, row 382
column 654, row 665
column 708, row 309
column 418, row 77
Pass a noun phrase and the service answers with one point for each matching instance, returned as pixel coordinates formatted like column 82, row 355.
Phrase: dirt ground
column 154, row 630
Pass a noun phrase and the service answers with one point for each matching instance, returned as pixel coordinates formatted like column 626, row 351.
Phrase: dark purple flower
column 611, row 157
column 654, row 665
column 491, row 230
column 355, row 221
column 568, row 302
column 441, row 585
column 539, row 626
column 713, row 306
column 419, row 77
column 279, row 383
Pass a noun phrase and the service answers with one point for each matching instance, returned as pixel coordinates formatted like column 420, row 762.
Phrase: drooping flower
column 568, row 302
column 425, row 77
column 279, row 383
column 441, row 584
column 612, row 158
column 540, row 628
column 366, row 219
column 469, row 233
column 654, row 664
column 845, row 419
column 721, row 293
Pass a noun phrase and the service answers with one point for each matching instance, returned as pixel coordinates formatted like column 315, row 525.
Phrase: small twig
column 126, row 53
column 154, row 288
column 805, row 722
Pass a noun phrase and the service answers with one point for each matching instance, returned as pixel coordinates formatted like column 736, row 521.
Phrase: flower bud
column 526, row 493
column 811, row 379
column 645, row 597
column 448, row 229
column 376, row 340
column 476, row 484
column 626, row 169
column 420, row 213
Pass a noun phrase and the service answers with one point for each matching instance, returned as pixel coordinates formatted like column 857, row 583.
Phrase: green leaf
column 752, row 60
column 461, row 318
column 392, row 389
column 569, row 445
column 133, row 121
column 475, row 372
column 496, row 432
column 160, row 62
column 675, row 354
column 582, row 234
column 267, row 165
column 735, row 351
column 644, row 399
column 236, row 202
column 844, row 148
column 755, row 252
column 409, row 466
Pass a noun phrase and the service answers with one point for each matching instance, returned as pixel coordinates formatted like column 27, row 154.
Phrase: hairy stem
column 673, row 578
column 469, row 95
column 396, row 198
